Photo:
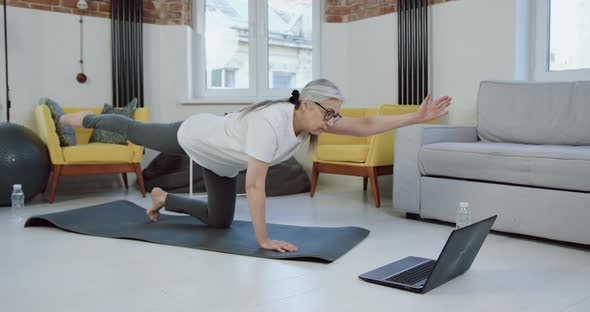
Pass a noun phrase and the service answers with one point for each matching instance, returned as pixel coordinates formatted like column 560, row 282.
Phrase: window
column 283, row 80
column 562, row 40
column 569, row 35
column 222, row 78
column 254, row 48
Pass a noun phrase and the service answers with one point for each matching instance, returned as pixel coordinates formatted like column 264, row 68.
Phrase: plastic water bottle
column 18, row 202
column 463, row 215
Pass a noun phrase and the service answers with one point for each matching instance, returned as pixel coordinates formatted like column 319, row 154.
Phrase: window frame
column 258, row 55
column 541, row 31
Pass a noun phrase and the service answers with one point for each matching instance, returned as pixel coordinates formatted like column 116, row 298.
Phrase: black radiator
column 412, row 56
column 127, row 54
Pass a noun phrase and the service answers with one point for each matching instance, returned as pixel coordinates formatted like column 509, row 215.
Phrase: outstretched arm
column 256, row 194
column 372, row 125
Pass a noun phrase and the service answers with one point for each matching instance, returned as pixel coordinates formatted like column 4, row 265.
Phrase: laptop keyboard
column 414, row 275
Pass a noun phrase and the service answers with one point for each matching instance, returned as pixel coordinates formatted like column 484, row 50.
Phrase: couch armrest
column 406, row 172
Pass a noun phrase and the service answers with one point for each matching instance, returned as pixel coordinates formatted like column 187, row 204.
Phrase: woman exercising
column 259, row 136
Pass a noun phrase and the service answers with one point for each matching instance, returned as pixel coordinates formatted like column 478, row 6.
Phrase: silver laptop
column 421, row 275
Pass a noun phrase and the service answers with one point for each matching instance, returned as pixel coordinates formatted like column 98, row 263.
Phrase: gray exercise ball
column 24, row 160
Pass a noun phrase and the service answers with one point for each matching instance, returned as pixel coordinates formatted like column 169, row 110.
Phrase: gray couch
column 527, row 160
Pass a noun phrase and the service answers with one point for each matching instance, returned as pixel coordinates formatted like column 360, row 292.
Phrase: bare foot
column 158, row 200
column 74, row 119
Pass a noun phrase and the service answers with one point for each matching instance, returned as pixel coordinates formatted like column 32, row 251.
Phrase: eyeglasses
column 329, row 114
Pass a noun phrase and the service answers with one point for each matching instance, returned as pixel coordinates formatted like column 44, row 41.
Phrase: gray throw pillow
column 103, row 136
column 66, row 134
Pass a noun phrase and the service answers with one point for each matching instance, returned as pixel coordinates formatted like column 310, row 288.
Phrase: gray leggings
column 218, row 210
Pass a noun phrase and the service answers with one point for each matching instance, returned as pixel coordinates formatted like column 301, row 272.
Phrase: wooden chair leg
column 54, row 179
column 375, row 186
column 314, row 180
column 365, row 180
column 124, row 174
column 139, row 175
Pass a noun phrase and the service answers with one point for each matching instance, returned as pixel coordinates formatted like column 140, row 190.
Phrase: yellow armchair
column 88, row 158
column 367, row 157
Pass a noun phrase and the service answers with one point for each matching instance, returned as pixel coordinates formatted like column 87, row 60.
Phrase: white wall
column 361, row 58
column 335, row 54
column 166, row 72
column 373, row 61
column 43, row 62
column 43, row 56
column 470, row 41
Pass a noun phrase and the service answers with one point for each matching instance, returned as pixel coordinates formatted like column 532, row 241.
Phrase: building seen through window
column 228, row 44
column 569, row 35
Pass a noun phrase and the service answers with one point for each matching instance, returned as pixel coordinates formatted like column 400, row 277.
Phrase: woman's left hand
column 430, row 110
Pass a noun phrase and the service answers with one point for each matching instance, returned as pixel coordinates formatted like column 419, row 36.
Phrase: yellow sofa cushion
column 350, row 152
column 97, row 153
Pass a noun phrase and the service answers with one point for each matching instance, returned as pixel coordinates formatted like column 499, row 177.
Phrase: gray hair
column 316, row 90
column 321, row 90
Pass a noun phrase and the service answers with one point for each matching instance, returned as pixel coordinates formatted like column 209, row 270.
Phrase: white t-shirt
column 223, row 144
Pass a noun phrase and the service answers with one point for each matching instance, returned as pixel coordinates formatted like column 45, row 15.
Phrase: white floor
column 46, row 269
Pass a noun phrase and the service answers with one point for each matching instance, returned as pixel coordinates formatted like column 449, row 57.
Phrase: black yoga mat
column 124, row 219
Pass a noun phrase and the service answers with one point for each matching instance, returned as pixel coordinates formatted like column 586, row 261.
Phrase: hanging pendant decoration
column 81, row 77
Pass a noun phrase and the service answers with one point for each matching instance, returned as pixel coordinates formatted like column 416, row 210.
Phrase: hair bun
column 294, row 99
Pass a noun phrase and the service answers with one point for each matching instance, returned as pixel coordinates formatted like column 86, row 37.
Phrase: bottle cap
column 463, row 204
column 16, row 186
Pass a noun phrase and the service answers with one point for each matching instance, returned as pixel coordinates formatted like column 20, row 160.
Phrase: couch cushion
column 337, row 152
column 555, row 113
column 66, row 134
column 551, row 166
column 97, row 153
